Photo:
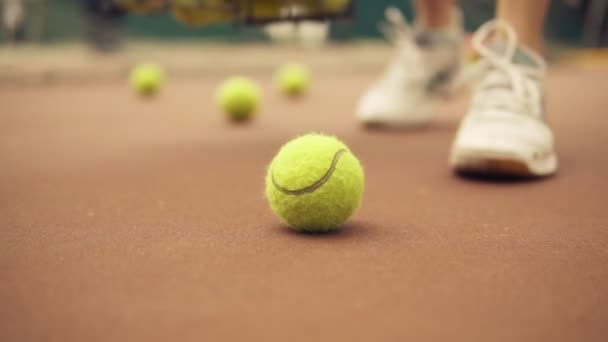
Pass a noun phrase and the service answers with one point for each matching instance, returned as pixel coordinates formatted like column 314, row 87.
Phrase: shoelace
column 504, row 84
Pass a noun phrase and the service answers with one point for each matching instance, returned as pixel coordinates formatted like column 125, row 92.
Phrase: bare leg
column 527, row 18
column 434, row 14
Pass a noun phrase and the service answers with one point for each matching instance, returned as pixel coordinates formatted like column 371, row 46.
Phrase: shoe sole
column 501, row 164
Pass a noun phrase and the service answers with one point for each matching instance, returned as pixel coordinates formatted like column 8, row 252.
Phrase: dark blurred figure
column 104, row 24
column 13, row 20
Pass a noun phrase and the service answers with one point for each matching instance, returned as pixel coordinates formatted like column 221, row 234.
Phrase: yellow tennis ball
column 264, row 9
column 315, row 183
column 323, row 6
column 335, row 5
column 147, row 78
column 239, row 98
column 293, row 79
column 200, row 13
column 141, row 6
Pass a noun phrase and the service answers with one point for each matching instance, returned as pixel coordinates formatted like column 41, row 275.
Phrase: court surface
column 129, row 220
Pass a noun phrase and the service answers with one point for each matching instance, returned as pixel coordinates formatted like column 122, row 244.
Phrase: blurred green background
column 62, row 20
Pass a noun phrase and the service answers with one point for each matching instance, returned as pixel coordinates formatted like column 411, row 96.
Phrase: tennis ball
column 314, row 183
column 147, row 78
column 239, row 98
column 264, row 9
column 141, row 7
column 200, row 13
column 335, row 5
column 293, row 79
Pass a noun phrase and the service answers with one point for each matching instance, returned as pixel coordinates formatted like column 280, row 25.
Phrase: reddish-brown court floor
column 128, row 220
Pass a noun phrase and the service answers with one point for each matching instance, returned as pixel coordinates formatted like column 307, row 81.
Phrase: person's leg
column 434, row 14
column 526, row 17
column 104, row 21
column 13, row 19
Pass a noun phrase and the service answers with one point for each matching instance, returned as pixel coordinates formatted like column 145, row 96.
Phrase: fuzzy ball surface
column 315, row 183
column 147, row 78
column 239, row 98
column 293, row 79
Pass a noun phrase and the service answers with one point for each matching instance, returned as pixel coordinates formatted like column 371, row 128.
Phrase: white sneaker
column 424, row 65
column 504, row 132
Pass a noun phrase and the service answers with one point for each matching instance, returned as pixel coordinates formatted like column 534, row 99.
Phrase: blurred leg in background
column 527, row 19
column 104, row 24
column 13, row 20
column 434, row 13
column 427, row 56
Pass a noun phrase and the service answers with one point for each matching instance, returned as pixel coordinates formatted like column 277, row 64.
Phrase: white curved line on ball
column 319, row 183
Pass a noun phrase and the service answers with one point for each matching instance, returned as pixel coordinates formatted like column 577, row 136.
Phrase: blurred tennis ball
column 147, row 78
column 200, row 12
column 199, row 18
column 293, row 79
column 239, row 98
column 312, row 7
column 264, row 9
column 335, row 5
column 207, row 12
column 141, row 6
